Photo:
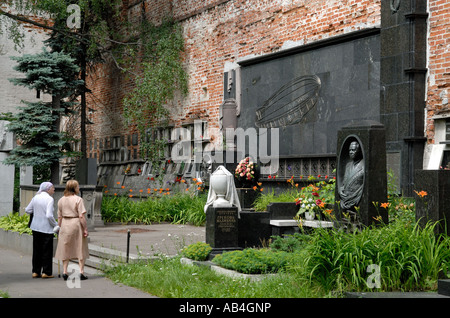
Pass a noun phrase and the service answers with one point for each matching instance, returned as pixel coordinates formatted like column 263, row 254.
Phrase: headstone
column 222, row 229
column 6, row 171
column 361, row 178
column 433, row 198
column 222, row 210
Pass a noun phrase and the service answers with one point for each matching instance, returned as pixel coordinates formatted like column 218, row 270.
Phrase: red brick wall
column 438, row 62
column 219, row 32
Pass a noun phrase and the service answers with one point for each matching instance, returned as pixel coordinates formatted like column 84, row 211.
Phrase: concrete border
column 22, row 243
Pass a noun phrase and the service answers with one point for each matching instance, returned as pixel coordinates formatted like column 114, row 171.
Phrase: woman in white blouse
column 43, row 225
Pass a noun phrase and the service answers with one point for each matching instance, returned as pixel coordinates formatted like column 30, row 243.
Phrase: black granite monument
column 361, row 178
column 433, row 198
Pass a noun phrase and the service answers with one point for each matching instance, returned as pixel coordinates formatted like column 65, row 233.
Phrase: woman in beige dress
column 72, row 241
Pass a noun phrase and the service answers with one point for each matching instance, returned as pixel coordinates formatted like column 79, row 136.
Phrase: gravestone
column 222, row 229
column 361, row 180
column 6, row 171
column 433, row 204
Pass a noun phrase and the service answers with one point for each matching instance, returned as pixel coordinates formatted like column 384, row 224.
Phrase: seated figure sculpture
column 350, row 188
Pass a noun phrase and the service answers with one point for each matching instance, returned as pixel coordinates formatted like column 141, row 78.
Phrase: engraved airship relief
column 289, row 104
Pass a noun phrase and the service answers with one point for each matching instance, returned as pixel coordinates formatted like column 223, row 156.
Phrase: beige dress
column 71, row 242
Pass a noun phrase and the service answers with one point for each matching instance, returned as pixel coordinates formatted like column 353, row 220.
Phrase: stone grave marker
column 361, row 180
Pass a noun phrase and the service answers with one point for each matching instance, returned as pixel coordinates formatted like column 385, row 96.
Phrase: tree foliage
column 151, row 55
column 37, row 124
column 162, row 76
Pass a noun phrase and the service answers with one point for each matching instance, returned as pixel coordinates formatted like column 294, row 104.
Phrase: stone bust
column 351, row 183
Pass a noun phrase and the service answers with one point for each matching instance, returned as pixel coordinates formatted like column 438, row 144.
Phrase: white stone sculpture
column 222, row 191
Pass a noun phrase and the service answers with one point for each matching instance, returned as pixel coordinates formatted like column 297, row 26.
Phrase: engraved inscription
column 226, row 221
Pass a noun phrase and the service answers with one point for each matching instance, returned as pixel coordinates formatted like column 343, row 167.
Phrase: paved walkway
column 15, row 267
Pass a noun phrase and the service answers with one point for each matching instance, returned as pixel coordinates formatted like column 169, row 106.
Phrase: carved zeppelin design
column 290, row 104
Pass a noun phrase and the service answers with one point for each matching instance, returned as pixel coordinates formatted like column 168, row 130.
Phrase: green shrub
column 252, row 261
column 16, row 223
column 198, row 251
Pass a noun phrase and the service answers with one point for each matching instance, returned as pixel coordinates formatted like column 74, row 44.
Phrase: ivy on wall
column 160, row 77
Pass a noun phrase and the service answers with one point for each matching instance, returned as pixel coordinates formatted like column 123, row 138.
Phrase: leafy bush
column 252, row 261
column 176, row 208
column 198, row 251
column 16, row 223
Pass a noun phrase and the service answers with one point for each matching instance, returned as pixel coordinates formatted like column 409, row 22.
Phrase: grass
column 169, row 278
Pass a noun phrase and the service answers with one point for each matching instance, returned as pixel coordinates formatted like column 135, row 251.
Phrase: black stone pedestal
column 254, row 229
column 222, row 229
column 435, row 205
column 247, row 197
column 370, row 136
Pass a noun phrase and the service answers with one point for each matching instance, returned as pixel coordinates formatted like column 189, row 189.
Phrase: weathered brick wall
column 217, row 33
column 438, row 63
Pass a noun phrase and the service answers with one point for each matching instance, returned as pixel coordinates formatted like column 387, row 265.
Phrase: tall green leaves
column 408, row 257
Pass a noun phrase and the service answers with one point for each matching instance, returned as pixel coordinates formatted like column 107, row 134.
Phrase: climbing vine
column 161, row 76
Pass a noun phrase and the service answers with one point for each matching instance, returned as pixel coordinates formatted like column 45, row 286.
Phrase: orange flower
column 199, row 183
column 115, row 194
column 385, row 205
column 183, row 181
column 141, row 190
column 123, row 187
column 118, row 182
column 131, row 190
column 421, row 193
column 195, row 179
column 130, row 195
column 255, row 187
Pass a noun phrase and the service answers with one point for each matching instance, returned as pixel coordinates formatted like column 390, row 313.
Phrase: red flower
column 315, row 194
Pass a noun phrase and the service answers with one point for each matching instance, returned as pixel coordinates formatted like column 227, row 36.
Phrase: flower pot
column 310, row 216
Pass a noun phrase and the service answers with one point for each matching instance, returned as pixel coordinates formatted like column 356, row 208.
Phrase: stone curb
column 224, row 271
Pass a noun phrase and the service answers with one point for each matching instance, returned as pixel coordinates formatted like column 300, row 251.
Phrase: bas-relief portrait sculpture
column 351, row 175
